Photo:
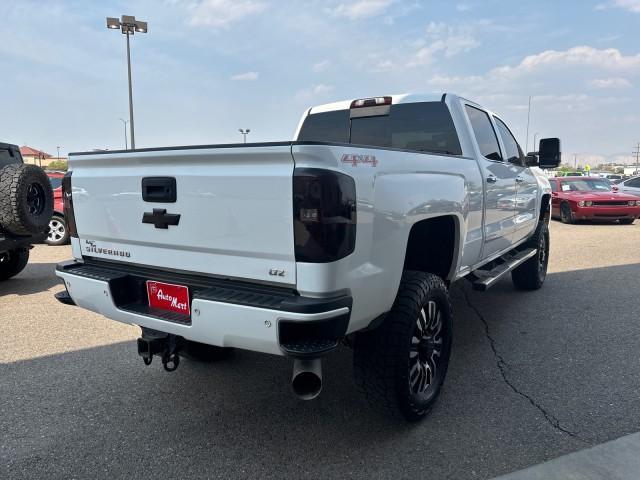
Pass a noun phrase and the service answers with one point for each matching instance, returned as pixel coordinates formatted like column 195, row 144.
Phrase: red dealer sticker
column 166, row 296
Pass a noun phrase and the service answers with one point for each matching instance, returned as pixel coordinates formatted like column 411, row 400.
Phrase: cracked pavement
column 533, row 375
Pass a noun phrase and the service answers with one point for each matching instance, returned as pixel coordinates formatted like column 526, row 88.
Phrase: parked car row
column 592, row 198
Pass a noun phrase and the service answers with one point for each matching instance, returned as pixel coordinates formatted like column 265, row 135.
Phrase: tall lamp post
column 58, row 147
column 128, row 25
column 535, row 136
column 124, row 123
column 244, row 132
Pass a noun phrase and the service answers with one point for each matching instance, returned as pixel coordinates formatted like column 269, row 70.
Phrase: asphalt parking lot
column 533, row 376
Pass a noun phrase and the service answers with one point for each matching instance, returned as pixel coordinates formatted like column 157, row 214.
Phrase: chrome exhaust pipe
column 307, row 378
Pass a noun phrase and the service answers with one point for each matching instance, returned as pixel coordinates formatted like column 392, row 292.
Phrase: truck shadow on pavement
column 564, row 354
column 37, row 277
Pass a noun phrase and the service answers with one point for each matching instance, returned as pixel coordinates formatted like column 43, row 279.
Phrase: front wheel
column 566, row 215
column 532, row 273
column 13, row 262
column 401, row 365
column 58, row 232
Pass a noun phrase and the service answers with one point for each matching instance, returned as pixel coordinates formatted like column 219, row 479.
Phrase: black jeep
column 26, row 206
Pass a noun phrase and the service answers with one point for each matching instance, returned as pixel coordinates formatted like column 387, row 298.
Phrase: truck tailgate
column 235, row 208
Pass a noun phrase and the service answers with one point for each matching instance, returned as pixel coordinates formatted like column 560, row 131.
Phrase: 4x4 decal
column 354, row 159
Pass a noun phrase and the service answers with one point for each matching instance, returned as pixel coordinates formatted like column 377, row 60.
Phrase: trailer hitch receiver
column 165, row 345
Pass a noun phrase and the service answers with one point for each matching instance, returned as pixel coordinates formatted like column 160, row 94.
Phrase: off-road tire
column 626, row 221
column 58, row 231
column 532, row 273
column 566, row 215
column 383, row 359
column 202, row 352
column 26, row 199
column 13, row 262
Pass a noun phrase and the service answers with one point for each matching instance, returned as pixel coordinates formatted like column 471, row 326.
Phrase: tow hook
column 165, row 345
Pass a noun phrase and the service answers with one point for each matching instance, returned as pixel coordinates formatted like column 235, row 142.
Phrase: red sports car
column 591, row 198
column 58, row 233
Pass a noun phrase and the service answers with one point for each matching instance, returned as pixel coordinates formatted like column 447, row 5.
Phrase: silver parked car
column 630, row 185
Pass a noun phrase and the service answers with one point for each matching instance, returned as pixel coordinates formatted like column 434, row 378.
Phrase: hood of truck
column 232, row 216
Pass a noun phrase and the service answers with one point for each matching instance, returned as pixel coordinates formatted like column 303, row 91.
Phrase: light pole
column 244, row 132
column 124, row 123
column 128, row 25
column 526, row 145
column 58, row 147
column 535, row 136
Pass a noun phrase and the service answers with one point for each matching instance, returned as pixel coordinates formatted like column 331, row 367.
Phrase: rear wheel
column 401, row 365
column 13, row 262
column 566, row 215
column 202, row 352
column 58, row 233
column 532, row 273
column 626, row 221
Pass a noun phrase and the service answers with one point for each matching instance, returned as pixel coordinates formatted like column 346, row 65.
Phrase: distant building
column 37, row 157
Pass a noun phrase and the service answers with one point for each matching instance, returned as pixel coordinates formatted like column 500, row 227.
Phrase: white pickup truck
column 351, row 233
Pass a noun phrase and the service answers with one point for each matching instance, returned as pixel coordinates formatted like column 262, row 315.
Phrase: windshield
column 585, row 185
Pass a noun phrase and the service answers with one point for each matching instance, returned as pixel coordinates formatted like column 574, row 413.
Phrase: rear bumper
column 223, row 313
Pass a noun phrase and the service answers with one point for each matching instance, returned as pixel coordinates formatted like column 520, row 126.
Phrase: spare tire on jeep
column 26, row 199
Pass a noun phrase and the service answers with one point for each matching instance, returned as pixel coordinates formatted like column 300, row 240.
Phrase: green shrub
column 57, row 165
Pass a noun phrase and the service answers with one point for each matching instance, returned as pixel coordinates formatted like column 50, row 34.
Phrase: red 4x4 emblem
column 354, row 159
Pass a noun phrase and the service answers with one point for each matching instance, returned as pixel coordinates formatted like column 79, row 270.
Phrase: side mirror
column 549, row 153
column 531, row 159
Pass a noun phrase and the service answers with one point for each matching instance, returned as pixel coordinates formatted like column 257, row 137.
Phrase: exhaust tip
column 307, row 379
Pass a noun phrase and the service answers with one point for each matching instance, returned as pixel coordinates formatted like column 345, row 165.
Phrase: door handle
column 519, row 179
column 492, row 179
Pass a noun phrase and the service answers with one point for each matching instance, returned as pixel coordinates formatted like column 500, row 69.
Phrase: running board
column 483, row 279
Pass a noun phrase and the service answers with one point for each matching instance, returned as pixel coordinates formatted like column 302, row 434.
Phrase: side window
column 514, row 154
column 484, row 133
column 634, row 183
column 554, row 185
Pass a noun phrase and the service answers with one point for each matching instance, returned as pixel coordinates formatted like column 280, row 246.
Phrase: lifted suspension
column 165, row 345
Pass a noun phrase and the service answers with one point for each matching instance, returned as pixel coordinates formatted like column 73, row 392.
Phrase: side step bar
column 483, row 279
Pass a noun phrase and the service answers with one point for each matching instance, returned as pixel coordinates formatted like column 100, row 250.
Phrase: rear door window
column 425, row 127
column 484, row 133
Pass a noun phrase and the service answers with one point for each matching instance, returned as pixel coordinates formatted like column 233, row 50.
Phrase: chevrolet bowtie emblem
column 160, row 218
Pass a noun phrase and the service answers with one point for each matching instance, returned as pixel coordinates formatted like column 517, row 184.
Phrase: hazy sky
column 209, row 67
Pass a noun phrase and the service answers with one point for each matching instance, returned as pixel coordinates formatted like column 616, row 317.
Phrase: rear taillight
column 67, row 198
column 324, row 215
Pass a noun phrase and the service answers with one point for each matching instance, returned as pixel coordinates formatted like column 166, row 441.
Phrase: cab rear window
column 422, row 127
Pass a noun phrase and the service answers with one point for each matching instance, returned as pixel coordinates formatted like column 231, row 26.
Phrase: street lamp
column 244, row 132
column 128, row 25
column 535, row 136
column 58, row 147
column 124, row 123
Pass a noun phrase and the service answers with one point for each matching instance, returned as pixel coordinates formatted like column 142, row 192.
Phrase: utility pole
column 637, row 154
column 58, row 147
column 526, row 145
column 575, row 161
